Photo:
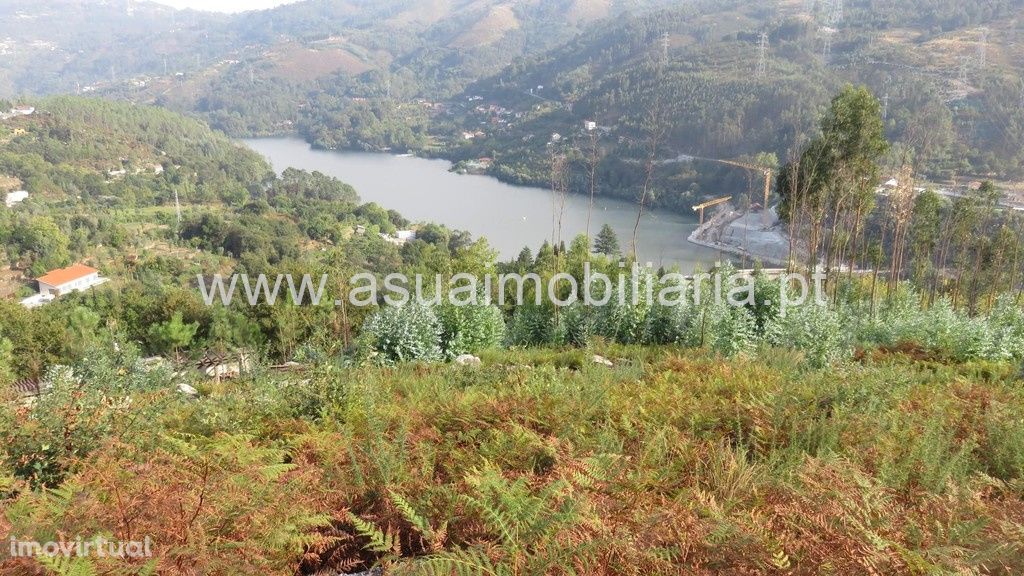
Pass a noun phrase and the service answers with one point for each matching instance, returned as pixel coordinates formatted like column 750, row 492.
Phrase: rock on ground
column 467, row 360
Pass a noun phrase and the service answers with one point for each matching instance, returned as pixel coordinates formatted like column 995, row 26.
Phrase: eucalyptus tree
column 833, row 181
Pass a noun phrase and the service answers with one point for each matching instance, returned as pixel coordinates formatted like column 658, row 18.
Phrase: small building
column 76, row 278
column 400, row 237
column 23, row 111
column 590, row 125
column 15, row 197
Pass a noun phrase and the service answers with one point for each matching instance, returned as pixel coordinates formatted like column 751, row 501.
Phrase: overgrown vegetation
column 534, row 464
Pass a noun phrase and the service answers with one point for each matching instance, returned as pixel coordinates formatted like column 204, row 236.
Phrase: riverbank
column 745, row 234
column 509, row 217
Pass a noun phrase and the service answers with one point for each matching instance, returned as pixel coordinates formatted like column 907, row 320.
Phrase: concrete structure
column 76, row 278
column 400, row 237
column 15, row 197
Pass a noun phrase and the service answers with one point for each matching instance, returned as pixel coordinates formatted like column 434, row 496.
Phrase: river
column 510, row 217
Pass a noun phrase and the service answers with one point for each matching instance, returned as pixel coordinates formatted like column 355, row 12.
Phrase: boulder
column 603, row 361
column 187, row 390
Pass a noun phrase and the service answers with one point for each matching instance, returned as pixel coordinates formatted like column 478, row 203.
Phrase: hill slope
column 951, row 79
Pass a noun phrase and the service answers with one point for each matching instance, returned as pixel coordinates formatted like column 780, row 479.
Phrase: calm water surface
column 510, row 217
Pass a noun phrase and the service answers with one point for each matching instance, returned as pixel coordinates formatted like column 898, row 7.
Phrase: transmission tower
column 762, row 56
column 885, row 106
column 665, row 43
column 965, row 65
column 826, row 51
column 128, row 8
column 983, row 48
column 1022, row 93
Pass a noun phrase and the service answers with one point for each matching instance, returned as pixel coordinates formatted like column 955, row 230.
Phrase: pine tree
column 173, row 335
column 607, row 242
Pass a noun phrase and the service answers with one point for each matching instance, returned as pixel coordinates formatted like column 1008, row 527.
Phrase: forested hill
column 90, row 148
column 51, row 46
column 949, row 73
column 415, row 75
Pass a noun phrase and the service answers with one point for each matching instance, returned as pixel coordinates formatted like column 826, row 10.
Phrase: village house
column 76, row 278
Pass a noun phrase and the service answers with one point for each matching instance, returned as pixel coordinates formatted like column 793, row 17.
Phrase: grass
column 542, row 462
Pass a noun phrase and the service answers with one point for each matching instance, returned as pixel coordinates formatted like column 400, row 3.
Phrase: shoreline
column 732, row 220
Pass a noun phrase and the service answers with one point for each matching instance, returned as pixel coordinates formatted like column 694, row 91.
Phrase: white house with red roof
column 76, row 278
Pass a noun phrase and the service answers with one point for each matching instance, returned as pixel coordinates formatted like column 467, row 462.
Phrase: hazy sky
column 225, row 5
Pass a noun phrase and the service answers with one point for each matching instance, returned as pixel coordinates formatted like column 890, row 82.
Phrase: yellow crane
column 766, row 172
column 700, row 207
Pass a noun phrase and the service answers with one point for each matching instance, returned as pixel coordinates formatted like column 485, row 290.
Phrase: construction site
column 755, row 235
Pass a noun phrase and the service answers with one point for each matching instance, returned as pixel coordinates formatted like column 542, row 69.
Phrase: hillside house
column 76, row 278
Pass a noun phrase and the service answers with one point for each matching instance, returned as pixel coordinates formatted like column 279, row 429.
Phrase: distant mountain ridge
column 54, row 46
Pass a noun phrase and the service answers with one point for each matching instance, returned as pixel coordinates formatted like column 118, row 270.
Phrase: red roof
column 62, row 276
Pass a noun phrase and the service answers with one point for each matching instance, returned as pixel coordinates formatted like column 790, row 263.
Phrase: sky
column 225, row 5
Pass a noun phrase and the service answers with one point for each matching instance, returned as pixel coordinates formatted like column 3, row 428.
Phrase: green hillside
column 699, row 68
